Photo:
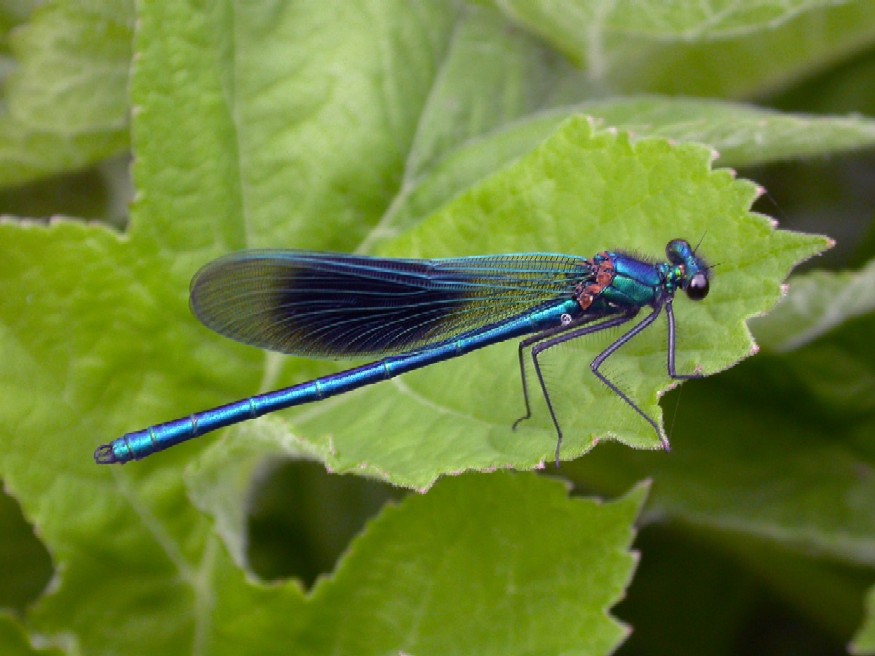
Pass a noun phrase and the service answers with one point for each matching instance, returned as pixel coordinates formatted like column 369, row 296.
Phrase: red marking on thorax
column 604, row 275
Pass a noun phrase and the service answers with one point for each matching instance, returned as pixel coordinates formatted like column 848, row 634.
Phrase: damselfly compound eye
column 697, row 289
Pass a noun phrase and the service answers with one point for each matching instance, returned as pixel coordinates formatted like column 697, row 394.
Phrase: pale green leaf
column 547, row 572
column 15, row 642
column 667, row 20
column 66, row 102
column 483, row 564
column 727, row 48
column 741, row 135
column 864, row 640
column 816, row 303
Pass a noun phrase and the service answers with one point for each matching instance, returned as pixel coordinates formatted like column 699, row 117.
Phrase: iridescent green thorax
column 620, row 282
column 635, row 283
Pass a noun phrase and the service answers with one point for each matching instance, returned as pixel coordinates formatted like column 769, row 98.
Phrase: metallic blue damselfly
column 413, row 313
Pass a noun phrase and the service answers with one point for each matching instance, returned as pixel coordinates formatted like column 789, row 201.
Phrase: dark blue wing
column 332, row 305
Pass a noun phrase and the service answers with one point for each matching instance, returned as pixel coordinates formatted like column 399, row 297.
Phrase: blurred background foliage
column 759, row 536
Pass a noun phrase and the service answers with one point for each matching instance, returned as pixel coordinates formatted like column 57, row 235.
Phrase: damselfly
column 413, row 313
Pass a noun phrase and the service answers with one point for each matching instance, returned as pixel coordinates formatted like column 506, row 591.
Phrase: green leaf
column 864, row 640
column 66, row 104
column 816, row 303
column 726, row 48
column 14, row 640
column 23, row 583
column 424, row 577
column 577, row 183
column 563, row 564
column 741, row 134
column 683, row 21
column 12, row 14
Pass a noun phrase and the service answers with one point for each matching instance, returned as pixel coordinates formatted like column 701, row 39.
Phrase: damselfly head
column 695, row 280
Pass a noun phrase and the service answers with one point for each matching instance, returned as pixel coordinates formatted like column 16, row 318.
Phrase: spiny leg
column 571, row 332
column 669, row 314
column 608, row 352
column 531, row 341
column 521, row 354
